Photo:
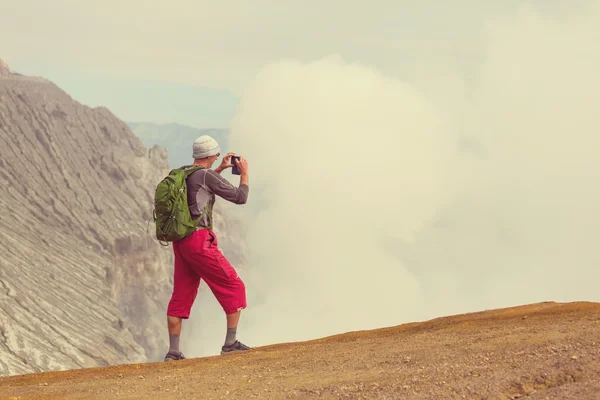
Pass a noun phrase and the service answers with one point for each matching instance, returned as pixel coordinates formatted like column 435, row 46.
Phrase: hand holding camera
column 240, row 165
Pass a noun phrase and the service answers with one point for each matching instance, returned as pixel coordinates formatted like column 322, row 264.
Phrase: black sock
column 174, row 343
column 230, row 338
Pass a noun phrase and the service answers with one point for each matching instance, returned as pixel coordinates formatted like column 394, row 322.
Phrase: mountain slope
column 538, row 351
column 78, row 189
column 83, row 282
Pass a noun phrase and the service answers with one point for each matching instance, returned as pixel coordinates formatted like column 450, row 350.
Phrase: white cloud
column 377, row 216
column 407, row 223
column 348, row 156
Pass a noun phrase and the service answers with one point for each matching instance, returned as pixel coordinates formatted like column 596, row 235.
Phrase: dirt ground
column 541, row 351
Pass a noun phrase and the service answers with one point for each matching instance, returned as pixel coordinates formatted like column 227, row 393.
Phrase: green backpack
column 171, row 212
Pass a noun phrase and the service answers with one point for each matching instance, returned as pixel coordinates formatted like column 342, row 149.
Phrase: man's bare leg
column 233, row 319
column 174, row 324
column 232, row 324
column 231, row 343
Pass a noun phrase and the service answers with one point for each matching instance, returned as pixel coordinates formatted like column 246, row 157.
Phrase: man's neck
column 202, row 163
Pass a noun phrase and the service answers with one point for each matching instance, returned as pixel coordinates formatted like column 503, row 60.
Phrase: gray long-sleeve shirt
column 203, row 185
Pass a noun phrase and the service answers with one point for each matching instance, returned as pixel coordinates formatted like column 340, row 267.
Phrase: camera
column 235, row 169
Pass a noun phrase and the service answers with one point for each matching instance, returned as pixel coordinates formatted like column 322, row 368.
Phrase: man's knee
column 182, row 301
column 178, row 309
column 233, row 299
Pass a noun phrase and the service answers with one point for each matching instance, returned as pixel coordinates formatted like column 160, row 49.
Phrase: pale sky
column 396, row 222
column 85, row 46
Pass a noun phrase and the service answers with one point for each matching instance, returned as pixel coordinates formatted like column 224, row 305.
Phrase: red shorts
column 198, row 257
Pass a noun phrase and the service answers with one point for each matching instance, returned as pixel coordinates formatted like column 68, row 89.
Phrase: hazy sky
column 456, row 169
column 98, row 50
column 456, row 145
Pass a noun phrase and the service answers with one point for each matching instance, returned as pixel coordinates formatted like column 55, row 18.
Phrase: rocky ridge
column 4, row 69
column 83, row 282
column 176, row 138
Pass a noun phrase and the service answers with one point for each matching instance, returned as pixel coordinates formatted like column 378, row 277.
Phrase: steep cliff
column 83, row 282
column 4, row 69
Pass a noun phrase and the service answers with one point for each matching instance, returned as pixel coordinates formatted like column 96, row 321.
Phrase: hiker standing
column 197, row 256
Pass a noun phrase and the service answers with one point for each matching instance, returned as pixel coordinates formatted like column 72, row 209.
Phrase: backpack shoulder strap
column 190, row 170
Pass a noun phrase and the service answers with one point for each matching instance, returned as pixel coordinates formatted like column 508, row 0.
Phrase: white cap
column 205, row 146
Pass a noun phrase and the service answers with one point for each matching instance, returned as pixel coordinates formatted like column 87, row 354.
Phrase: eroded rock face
column 4, row 67
column 83, row 282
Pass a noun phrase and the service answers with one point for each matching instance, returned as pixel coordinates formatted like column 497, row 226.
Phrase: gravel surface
column 540, row 351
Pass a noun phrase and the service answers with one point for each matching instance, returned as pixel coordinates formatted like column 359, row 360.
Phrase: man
column 198, row 256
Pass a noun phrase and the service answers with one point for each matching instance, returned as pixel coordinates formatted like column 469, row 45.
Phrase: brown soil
column 540, row 351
